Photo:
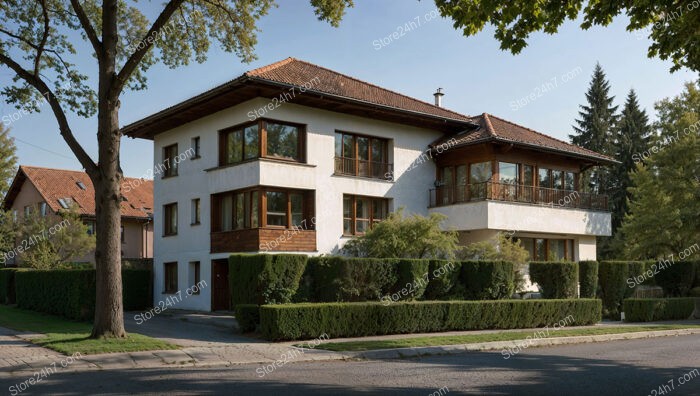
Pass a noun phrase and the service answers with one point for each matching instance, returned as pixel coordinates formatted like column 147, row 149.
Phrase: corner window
column 170, row 160
column 262, row 138
column 262, row 207
column 170, row 219
column 170, row 278
column 361, row 213
column 549, row 249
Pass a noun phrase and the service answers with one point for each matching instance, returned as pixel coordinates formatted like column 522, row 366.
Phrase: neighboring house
column 52, row 190
column 293, row 157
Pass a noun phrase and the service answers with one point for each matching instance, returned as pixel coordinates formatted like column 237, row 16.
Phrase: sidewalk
column 212, row 344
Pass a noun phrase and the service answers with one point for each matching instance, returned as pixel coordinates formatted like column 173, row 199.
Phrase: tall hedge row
column 488, row 280
column 556, row 279
column 653, row 309
column 7, row 285
column 676, row 278
column 71, row 293
column 588, row 278
column 265, row 278
column 617, row 282
column 306, row 321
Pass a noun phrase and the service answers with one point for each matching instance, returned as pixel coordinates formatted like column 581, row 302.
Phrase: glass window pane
column 527, row 175
column 447, row 175
column 557, row 177
column 254, row 209
column 378, row 150
column 507, row 173
column 544, row 178
column 529, row 245
column 276, row 208
column 348, row 146
column 379, row 209
column 227, row 213
column 240, row 217
column 347, row 215
column 282, row 141
column 234, row 147
column 569, row 181
column 297, row 201
column 540, row 250
column 251, row 141
column 363, row 148
column 480, row 172
column 362, row 214
column 338, row 144
column 246, row 210
column 556, row 249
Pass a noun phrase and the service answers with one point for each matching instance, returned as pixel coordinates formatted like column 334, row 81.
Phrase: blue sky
column 474, row 73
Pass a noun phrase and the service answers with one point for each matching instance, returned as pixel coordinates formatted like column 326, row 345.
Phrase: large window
column 261, row 138
column 361, row 213
column 170, row 160
column 541, row 249
column 170, row 219
column 262, row 207
column 170, row 278
column 358, row 155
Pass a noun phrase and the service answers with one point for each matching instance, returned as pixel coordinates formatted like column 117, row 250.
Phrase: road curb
column 399, row 353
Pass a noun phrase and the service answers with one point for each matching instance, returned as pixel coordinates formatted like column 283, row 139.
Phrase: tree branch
column 45, row 36
column 144, row 46
column 64, row 127
column 87, row 26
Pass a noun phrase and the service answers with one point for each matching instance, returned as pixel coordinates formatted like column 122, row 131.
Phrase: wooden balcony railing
column 356, row 167
column 454, row 194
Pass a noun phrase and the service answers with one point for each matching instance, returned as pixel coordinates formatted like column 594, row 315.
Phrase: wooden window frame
column 167, row 225
column 356, row 156
column 171, row 167
column 353, row 212
column 262, row 141
column 170, row 289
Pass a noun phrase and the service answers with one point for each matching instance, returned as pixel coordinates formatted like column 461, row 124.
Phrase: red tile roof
column 316, row 78
column 494, row 128
column 55, row 184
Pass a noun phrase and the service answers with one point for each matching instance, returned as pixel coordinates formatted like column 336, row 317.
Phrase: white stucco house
column 293, row 157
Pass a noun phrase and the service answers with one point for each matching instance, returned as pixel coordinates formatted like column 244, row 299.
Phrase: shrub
column 503, row 248
column 7, row 285
column 616, row 281
column 444, row 280
column 71, row 293
column 305, row 321
column 557, row 279
column 653, row 309
column 487, row 280
column 411, row 277
column 676, row 279
column 351, row 279
column 247, row 316
column 265, row 278
column 588, row 278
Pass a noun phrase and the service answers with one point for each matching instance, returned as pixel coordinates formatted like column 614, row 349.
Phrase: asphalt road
column 625, row 368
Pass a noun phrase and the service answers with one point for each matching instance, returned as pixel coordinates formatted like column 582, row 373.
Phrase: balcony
column 492, row 191
column 361, row 168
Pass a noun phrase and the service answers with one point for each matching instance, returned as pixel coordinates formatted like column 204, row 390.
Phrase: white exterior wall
column 410, row 189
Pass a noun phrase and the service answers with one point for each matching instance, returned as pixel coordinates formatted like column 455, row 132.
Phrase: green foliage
column 654, row 309
column 265, row 278
column 71, row 293
column 247, row 316
column 7, row 285
column 588, row 278
column 49, row 241
column 670, row 26
column 678, row 278
column 411, row 276
column 351, row 279
column 488, row 280
column 444, row 281
column 502, row 249
column 306, row 321
column 399, row 236
column 556, row 279
column 8, row 159
column 8, row 235
column 616, row 280
column 664, row 212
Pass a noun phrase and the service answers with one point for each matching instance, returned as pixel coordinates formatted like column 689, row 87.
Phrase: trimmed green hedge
column 488, row 280
column 71, row 293
column 7, row 285
column 676, row 279
column 411, row 277
column 350, row 279
column 557, row 279
column 247, row 316
column 306, row 321
column 444, row 280
column 616, row 280
column 653, row 309
column 588, row 278
column 265, row 278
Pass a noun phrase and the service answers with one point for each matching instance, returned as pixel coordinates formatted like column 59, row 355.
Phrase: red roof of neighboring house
column 497, row 129
column 59, row 184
